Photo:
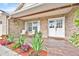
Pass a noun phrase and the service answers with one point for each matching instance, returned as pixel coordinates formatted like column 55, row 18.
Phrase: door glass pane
column 29, row 29
column 51, row 24
column 35, row 26
column 59, row 24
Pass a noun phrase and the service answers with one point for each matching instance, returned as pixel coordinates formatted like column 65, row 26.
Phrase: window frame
column 38, row 25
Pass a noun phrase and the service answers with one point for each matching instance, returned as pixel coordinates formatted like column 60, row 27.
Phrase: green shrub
column 20, row 42
column 76, row 22
column 10, row 38
column 76, row 19
column 74, row 39
column 37, row 42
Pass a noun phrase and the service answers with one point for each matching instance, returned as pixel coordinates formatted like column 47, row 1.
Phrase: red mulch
column 24, row 53
column 43, row 53
column 10, row 45
column 20, row 51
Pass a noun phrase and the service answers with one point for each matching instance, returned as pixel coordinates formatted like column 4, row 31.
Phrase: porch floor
column 60, row 48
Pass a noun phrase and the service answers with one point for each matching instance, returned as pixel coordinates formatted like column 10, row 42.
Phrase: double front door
column 56, row 27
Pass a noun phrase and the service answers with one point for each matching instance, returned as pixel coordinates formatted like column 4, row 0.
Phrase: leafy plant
column 20, row 42
column 74, row 39
column 22, row 39
column 10, row 38
column 37, row 42
column 76, row 20
column 17, row 45
column 77, row 12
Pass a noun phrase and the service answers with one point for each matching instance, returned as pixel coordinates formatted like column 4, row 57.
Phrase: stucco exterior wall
column 44, row 27
column 14, row 29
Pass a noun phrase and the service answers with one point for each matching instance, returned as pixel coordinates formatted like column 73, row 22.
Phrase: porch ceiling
column 43, row 11
column 46, row 14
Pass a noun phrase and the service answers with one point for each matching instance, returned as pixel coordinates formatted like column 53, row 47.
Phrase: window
column 33, row 26
column 29, row 27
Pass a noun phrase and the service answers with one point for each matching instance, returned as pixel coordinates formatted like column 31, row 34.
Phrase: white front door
column 51, row 27
column 0, row 28
column 56, row 27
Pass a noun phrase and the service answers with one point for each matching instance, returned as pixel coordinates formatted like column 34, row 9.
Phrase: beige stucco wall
column 14, row 29
column 44, row 27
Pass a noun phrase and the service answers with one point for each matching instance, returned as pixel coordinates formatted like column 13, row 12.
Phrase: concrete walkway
column 4, row 51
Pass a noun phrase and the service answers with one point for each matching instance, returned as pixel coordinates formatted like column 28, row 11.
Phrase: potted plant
column 37, row 43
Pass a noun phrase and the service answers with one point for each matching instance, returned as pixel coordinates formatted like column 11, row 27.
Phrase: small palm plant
column 20, row 42
column 10, row 38
column 37, row 42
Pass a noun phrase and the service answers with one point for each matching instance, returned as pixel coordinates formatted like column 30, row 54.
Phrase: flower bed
column 21, row 48
column 25, row 53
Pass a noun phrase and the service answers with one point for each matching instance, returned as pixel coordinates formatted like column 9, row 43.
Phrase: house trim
column 71, row 5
